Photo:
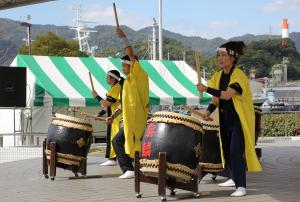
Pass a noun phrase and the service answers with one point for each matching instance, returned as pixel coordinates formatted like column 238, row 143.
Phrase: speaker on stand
column 13, row 92
column 12, row 87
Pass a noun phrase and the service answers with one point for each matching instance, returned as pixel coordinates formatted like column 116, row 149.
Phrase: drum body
column 73, row 138
column 210, row 159
column 180, row 137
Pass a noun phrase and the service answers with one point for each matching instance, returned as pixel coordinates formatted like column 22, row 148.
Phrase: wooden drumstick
column 198, row 67
column 116, row 15
column 91, row 80
column 89, row 115
column 194, row 111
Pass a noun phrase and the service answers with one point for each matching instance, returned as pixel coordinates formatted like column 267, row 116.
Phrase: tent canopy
column 64, row 81
column 5, row 4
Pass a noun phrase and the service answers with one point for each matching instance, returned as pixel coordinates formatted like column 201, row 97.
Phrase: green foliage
column 260, row 54
column 174, row 50
column 276, row 124
column 264, row 54
column 110, row 52
column 52, row 45
column 211, row 64
column 263, row 51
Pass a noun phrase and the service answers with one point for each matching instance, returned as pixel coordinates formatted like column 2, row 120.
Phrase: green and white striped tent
column 64, row 81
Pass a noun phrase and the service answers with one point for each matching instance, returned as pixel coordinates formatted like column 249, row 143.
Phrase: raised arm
column 128, row 48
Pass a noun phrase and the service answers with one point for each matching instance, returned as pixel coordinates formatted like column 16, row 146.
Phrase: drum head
column 71, row 118
column 209, row 125
column 71, row 122
column 172, row 117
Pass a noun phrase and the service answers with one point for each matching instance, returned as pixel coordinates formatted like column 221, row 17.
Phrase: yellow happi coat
column 114, row 92
column 135, row 100
column 243, row 105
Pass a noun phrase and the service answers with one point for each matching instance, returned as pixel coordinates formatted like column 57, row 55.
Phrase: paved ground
column 9, row 154
column 23, row 181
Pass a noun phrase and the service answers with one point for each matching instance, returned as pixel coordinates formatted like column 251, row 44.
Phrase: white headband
column 126, row 62
column 112, row 75
column 230, row 52
column 222, row 50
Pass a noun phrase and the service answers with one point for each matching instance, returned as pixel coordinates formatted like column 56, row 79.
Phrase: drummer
column 231, row 92
column 110, row 104
column 134, row 109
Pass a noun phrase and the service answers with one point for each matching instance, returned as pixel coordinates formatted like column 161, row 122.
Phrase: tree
column 173, row 49
column 265, row 53
column 53, row 45
column 260, row 54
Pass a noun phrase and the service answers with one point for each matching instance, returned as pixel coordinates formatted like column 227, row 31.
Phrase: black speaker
column 12, row 87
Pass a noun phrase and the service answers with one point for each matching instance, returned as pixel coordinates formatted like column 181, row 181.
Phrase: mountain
column 106, row 38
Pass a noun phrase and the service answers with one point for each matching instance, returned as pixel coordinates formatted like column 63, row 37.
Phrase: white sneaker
column 109, row 162
column 240, row 191
column 127, row 175
column 228, row 183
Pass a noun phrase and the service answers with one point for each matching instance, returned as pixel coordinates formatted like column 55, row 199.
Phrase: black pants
column 108, row 142
column 119, row 146
column 233, row 146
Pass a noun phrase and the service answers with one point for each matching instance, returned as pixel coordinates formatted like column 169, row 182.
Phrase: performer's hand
column 94, row 93
column 109, row 120
column 207, row 117
column 201, row 87
column 120, row 32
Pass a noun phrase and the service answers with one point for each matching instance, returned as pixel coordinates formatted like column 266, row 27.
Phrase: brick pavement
column 23, row 181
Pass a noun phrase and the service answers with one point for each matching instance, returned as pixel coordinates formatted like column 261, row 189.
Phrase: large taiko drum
column 179, row 136
column 210, row 159
column 73, row 138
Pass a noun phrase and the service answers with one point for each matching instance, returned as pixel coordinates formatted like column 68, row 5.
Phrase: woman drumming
column 231, row 92
column 110, row 104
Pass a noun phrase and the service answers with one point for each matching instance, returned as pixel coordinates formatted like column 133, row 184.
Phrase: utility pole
column 154, row 39
column 28, row 26
column 160, row 36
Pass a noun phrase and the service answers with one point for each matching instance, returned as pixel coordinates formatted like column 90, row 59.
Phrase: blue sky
column 209, row 19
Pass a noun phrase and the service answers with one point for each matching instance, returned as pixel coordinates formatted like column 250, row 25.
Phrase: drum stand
column 162, row 180
column 223, row 173
column 53, row 164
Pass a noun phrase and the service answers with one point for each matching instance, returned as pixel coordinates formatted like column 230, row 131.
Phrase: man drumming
column 134, row 109
column 231, row 92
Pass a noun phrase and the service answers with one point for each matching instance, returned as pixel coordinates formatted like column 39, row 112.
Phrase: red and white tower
column 285, row 32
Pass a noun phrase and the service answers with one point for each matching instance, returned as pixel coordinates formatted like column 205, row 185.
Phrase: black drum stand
column 52, row 163
column 224, row 172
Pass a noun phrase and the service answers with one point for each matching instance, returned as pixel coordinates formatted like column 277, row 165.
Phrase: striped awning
column 5, row 4
column 64, row 81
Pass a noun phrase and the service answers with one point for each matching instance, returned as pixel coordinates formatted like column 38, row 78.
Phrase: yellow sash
column 114, row 92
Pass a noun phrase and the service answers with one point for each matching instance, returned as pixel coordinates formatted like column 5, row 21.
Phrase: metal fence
column 28, row 145
column 36, row 139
